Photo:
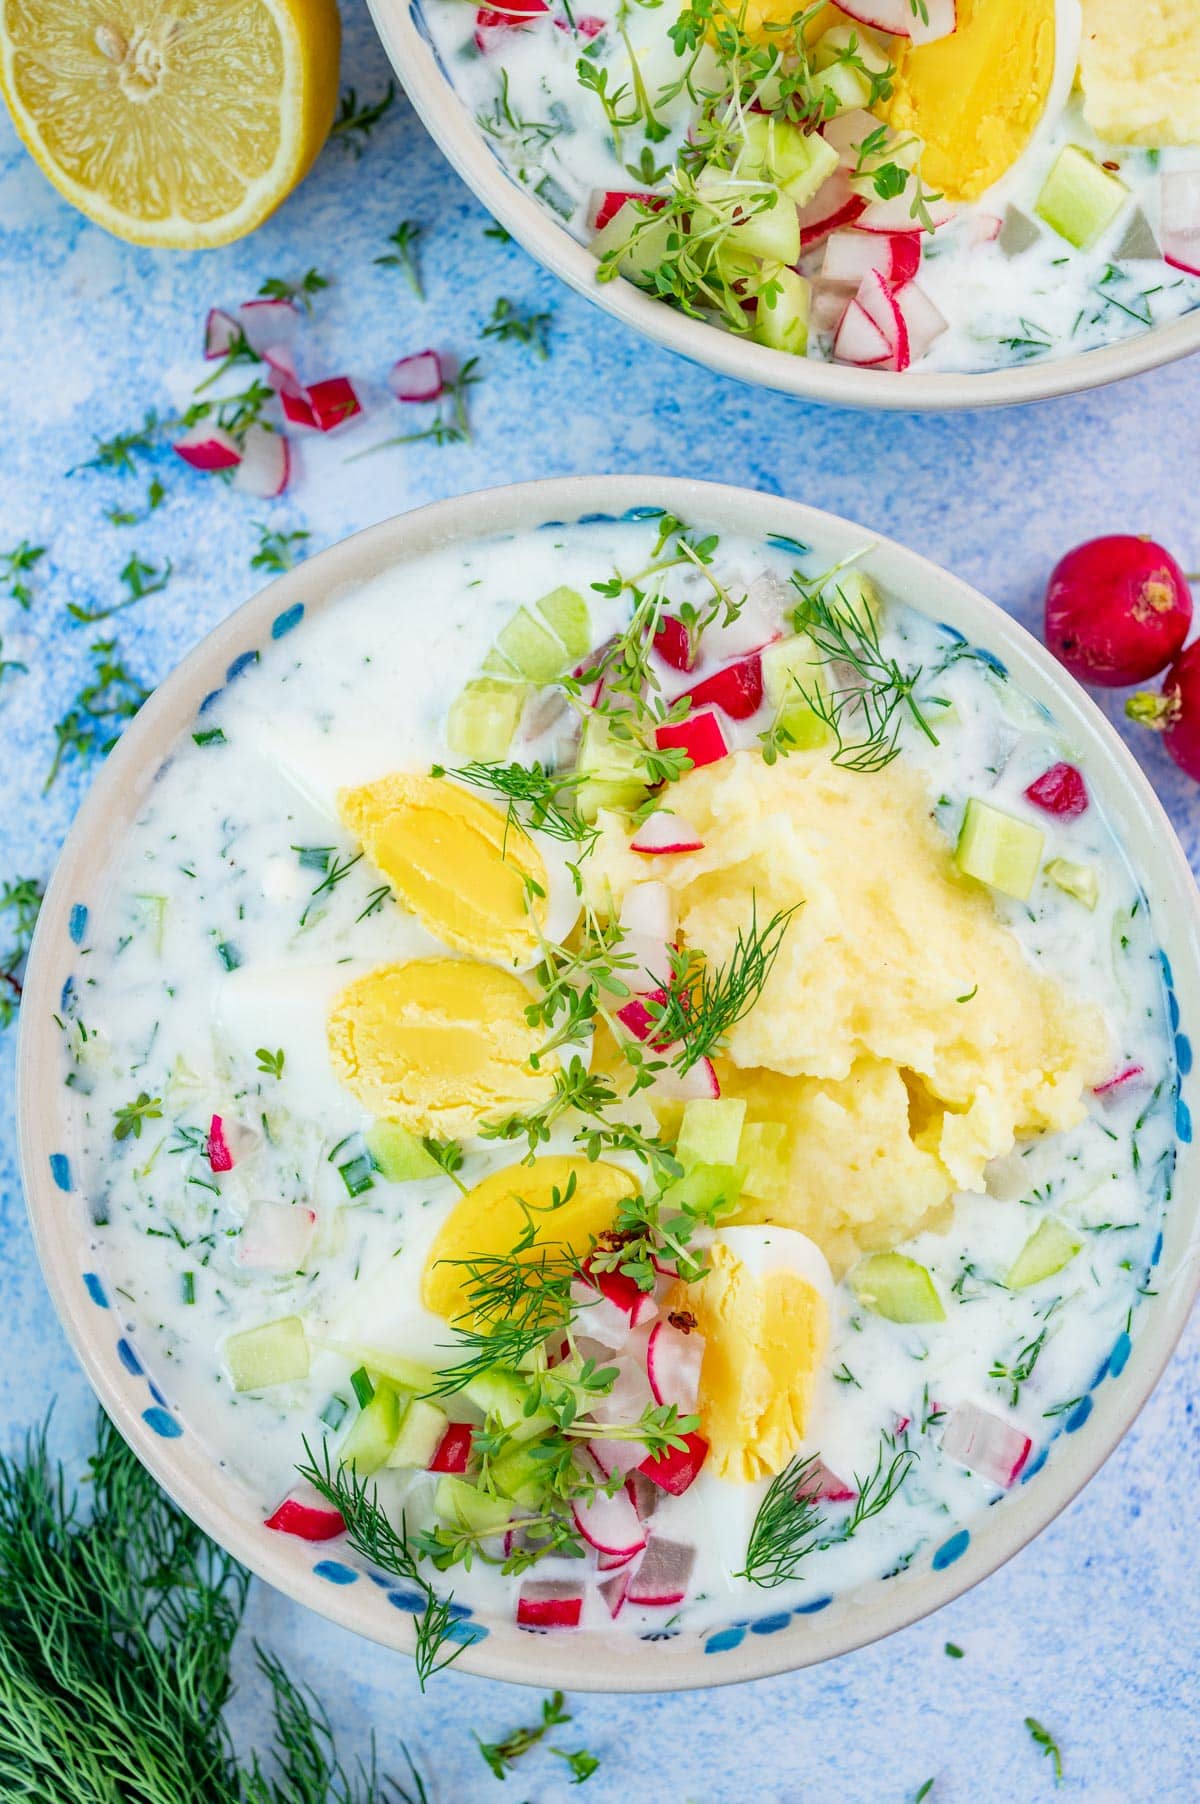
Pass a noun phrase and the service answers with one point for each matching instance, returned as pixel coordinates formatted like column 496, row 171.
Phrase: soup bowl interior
column 450, row 123
column 105, row 1332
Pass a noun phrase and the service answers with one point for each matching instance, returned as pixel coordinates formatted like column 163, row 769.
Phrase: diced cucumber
column 372, row 1437
column 789, row 666
column 153, row 911
column 706, row 1190
column 998, row 849
column 518, row 1474
column 483, row 718
column 710, row 1131
column 897, row 1288
column 798, row 162
column 849, row 87
column 421, row 1429
column 763, row 1152
column 781, row 317
column 461, row 1505
column 641, row 242
column 399, row 1155
column 841, row 41
column 772, row 231
column 505, row 1397
column 566, row 614
column 498, row 665
column 1078, row 880
column 531, row 648
column 855, row 590
column 615, row 778
column 1079, row 199
column 1051, row 1246
column 406, row 1374
column 275, row 1353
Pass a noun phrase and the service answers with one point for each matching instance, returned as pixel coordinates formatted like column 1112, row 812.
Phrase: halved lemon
column 179, row 125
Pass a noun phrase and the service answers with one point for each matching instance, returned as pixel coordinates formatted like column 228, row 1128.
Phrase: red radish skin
column 493, row 24
column 208, row 448
column 662, row 1574
column 675, row 1469
column 417, row 378
column 610, row 204
column 859, row 340
column 549, row 1606
column 1060, row 791
column 737, row 689
column 637, row 1018
column 665, row 833
column 453, row 1451
column 333, row 402
column 1118, row 1081
column 308, row 1520
column 1118, row 609
column 219, row 1156
column 880, row 305
column 1180, row 233
column 985, row 1443
column 221, row 333
column 698, row 1083
column 673, row 1359
column 1176, row 712
column 834, row 206
column 700, row 736
column 611, row 1525
column 673, row 643
column 826, row 1485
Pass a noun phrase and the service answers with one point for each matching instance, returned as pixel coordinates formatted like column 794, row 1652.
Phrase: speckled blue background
column 1095, row 1629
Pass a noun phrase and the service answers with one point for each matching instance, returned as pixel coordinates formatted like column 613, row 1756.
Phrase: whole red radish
column 1176, row 712
column 1117, row 610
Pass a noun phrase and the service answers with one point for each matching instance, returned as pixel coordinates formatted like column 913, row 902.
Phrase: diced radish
column 849, row 256
column 827, row 308
column 588, row 25
column 609, row 204
column 931, row 20
column 701, row 736
column 615, row 1589
column 737, row 689
column 923, row 321
column 1118, row 609
column 493, row 23
column 644, row 1494
column 636, row 1304
column 297, row 408
column 610, row 1524
column 662, row 1575
column 985, row 1443
column 305, row 1513
column 282, row 373
column 895, row 16
column 985, row 229
column 904, row 258
column 673, row 1361
column 616, row 1455
column 599, row 1317
column 663, row 832
column 883, row 310
column 675, row 1469
column 645, row 962
column 276, row 1236
column 823, row 1483
column 549, row 1604
column 754, row 626
column 266, row 463
column 697, row 1083
column 847, row 133
column 648, row 909
column 453, row 1451
column 638, row 1018
column 895, row 215
column 833, row 206
column 221, row 333
column 673, row 643
column 217, row 1147
column 1180, row 234
column 267, row 322
column 1060, row 790
column 417, row 378
column 208, row 447
column 333, row 402
column 1118, row 1082
column 859, row 340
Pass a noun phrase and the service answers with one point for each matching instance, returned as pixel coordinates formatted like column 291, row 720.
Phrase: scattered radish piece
column 549, row 1604
column 662, row 1575
column 333, row 402
column 834, row 205
column 637, row 1017
column 266, row 463
column 1118, row 1082
column 827, row 307
column 622, row 1292
column 217, row 1147
column 614, row 1590
column 417, row 378
column 697, row 1083
column 1117, row 610
column 700, row 736
column 985, row 229
column 859, row 340
column 675, row 1469
column 297, row 408
column 850, row 255
column 923, row 321
column 221, row 333
column 985, row 1443
column 276, row 1236
column 600, row 1318
column 610, row 202
column 882, row 308
column 281, row 370
column 826, row 1485
column 208, row 447
column 1180, row 233
column 673, row 1360
column 894, row 16
column 494, row 23
column 673, row 643
column 268, row 322
column 453, row 1451
column 737, row 689
column 931, row 20
column 895, row 215
column 1060, row 790
column 664, row 832
column 305, row 1513
column 610, row 1524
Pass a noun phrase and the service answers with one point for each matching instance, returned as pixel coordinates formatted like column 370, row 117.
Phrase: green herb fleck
column 15, row 566
column 403, row 256
column 131, row 1115
column 270, row 1063
column 507, row 325
column 1042, row 1738
column 278, row 551
column 356, row 119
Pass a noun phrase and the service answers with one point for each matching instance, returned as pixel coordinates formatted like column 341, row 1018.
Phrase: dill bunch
column 116, row 1631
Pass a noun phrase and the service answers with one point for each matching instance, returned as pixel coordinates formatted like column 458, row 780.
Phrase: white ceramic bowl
column 331, row 1579
column 452, row 125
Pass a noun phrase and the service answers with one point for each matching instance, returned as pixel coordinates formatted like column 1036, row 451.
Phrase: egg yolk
column 475, row 880
column 439, row 1045
column 494, row 1217
column 764, row 1338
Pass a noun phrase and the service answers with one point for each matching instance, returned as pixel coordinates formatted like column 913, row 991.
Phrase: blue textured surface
column 1094, row 1629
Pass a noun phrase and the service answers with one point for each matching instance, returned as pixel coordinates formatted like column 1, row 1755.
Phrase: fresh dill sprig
column 513, row 1302
column 1043, row 1739
column 15, row 566
column 300, row 293
column 20, row 899
column 371, row 1533
column 790, row 1524
column 92, row 724
column 356, row 119
column 1014, row 1373
column 704, row 1002
column 140, row 579
column 507, row 325
column 335, row 871
column 501, row 1756
column 403, row 256
column 865, row 715
column 278, row 551
column 536, row 797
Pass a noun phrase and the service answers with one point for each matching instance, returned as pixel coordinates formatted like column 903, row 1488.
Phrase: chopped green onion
column 360, row 1384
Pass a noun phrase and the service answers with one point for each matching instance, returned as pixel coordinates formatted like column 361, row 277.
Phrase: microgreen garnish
column 15, row 566
column 140, row 579
column 356, row 119
column 156, row 494
column 500, row 233
column 371, row 1533
column 403, row 256
column 574, row 1089
column 278, row 551
column 131, row 1116
column 791, row 1524
column 507, row 325
column 449, row 1155
column 300, row 294
column 501, row 1756
column 451, row 424
column 865, row 715
column 270, row 1063
column 582, row 1764
column 10, row 664
column 1042, row 1738
column 119, row 454
column 20, row 899
column 536, row 797
column 92, row 724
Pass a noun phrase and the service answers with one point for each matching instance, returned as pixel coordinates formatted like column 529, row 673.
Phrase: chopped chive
column 360, row 1384
column 357, row 1174
column 188, row 1287
column 953, row 1650
column 334, row 1412
column 212, row 736
column 314, row 858
column 229, row 955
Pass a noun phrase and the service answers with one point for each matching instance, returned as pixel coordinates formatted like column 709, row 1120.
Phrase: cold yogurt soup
column 633, row 1061
column 958, row 185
